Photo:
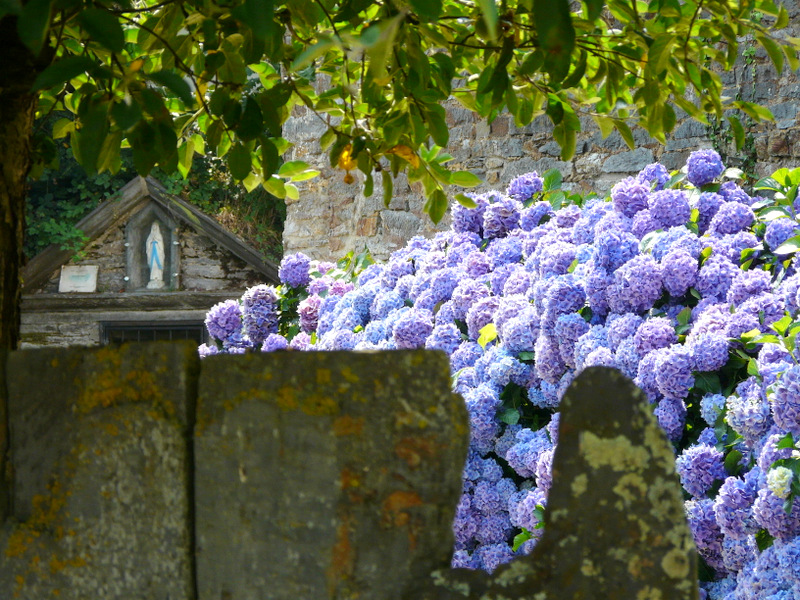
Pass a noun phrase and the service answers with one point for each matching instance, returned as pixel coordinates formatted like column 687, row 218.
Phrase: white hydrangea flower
column 779, row 481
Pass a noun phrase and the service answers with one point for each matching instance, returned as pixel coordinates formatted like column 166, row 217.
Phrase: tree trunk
column 18, row 69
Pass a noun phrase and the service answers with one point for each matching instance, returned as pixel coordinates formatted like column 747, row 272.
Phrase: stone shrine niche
column 152, row 251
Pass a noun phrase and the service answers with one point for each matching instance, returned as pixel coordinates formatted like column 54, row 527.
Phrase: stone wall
column 331, row 217
column 139, row 473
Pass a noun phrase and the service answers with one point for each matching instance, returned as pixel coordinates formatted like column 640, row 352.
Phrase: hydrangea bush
column 684, row 282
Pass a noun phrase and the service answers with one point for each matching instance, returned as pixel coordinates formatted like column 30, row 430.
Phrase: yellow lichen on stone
column 589, row 569
column 579, row 484
column 617, row 453
column 323, row 376
column 631, row 488
column 649, row 593
column 675, row 564
column 286, row 398
column 349, row 376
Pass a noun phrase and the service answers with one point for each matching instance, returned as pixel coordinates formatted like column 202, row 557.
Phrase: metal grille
column 117, row 333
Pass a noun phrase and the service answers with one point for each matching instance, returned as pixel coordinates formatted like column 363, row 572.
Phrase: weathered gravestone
column 615, row 528
column 326, row 474
column 101, row 461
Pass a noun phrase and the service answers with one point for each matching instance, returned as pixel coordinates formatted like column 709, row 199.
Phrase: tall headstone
column 615, row 527
column 101, row 461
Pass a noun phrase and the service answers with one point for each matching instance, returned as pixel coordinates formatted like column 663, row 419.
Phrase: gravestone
column 325, row 474
column 615, row 527
column 101, row 461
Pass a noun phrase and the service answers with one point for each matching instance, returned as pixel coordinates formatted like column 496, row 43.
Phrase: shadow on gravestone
column 615, row 527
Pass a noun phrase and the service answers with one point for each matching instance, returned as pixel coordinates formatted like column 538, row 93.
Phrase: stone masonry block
column 101, row 461
column 325, row 474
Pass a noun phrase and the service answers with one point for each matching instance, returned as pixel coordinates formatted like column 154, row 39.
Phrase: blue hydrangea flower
column 733, row 508
column 654, row 175
column 532, row 216
column 644, row 222
column 715, row 277
column 637, row 285
column 698, row 467
column 674, row 376
column 709, row 352
column 706, row 533
column 680, row 272
column 703, row 167
column 500, row 217
column 707, row 207
column 671, row 415
column 780, row 230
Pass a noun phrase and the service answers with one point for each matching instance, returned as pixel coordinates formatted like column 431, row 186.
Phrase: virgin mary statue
column 154, row 248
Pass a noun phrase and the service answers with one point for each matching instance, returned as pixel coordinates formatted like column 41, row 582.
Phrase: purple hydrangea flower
column 703, row 166
column 294, row 270
column 637, row 285
column 706, row 533
column 669, row 208
column 671, row 415
column 680, row 272
column 715, row 277
column 707, row 206
column 731, row 191
column 523, row 188
column 709, row 351
column 260, row 312
column 412, row 329
column 273, row 342
column 532, row 216
column 224, row 320
column 480, row 315
column 500, row 217
column 732, row 217
column 643, row 223
column 674, row 376
column 733, row 508
column 786, row 401
column 630, row 196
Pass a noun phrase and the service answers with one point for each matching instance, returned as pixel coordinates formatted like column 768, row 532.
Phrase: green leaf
column 269, row 158
column 659, row 53
column 738, row 131
column 239, row 161
column 773, row 50
column 62, row 71
column 436, row 205
column 556, row 35
column 763, row 540
column 790, row 246
column 33, row 24
column 490, row 16
column 62, row 127
column 509, row 416
column 102, row 27
column 488, row 334
column 520, row 539
column 684, row 316
column 292, row 167
column 593, row 8
column 174, row 83
column 379, row 51
column 466, row 201
column 126, row 114
column 465, row 179
column 251, row 124
column 786, row 441
column 386, row 182
column 429, row 10
column 275, row 186
column 93, row 117
column 732, row 466
column 551, row 180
